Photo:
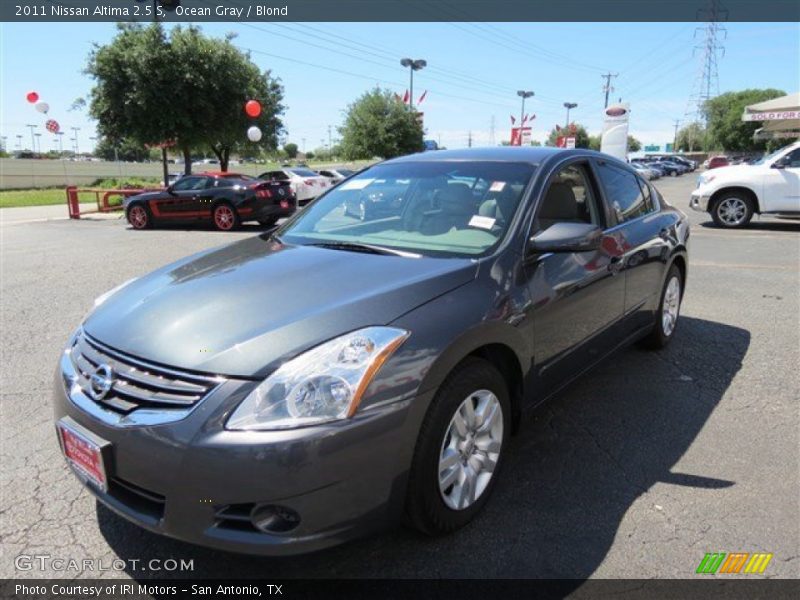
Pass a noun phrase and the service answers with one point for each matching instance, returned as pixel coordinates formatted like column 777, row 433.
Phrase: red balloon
column 32, row 97
column 252, row 108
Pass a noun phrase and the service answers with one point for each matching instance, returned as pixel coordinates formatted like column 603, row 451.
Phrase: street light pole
column 413, row 65
column 568, row 106
column 523, row 94
column 75, row 131
column 33, row 139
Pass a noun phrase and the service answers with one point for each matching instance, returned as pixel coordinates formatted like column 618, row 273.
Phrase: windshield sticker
column 497, row 186
column 356, row 184
column 481, row 221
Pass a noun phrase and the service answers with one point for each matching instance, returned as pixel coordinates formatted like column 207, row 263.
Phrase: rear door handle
column 615, row 266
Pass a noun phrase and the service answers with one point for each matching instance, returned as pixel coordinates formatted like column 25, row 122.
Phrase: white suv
column 733, row 194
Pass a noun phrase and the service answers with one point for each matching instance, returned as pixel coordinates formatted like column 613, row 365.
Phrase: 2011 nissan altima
column 295, row 389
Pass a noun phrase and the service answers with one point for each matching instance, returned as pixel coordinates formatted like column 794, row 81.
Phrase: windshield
column 449, row 209
column 769, row 156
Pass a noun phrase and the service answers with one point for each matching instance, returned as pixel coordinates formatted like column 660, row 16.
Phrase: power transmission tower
column 491, row 132
column 607, row 87
column 675, row 137
column 469, row 140
column 711, row 50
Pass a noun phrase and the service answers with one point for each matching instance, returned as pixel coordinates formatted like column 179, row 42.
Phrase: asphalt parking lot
column 635, row 471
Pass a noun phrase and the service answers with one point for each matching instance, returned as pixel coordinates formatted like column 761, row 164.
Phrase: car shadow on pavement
column 572, row 473
column 758, row 225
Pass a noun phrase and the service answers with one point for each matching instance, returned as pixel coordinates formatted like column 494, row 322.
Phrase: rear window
column 303, row 172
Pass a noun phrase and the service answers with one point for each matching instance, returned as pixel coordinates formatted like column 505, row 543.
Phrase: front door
column 782, row 185
column 577, row 297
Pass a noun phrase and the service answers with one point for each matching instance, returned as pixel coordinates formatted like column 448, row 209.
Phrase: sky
column 474, row 71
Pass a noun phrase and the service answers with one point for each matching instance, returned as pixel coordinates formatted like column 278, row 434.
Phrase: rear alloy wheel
column 460, row 448
column 732, row 210
column 139, row 217
column 225, row 217
column 668, row 311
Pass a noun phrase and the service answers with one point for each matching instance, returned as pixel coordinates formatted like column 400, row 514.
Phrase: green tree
column 290, row 149
column 634, row 145
column 726, row 130
column 575, row 130
column 184, row 87
column 377, row 124
column 690, row 137
column 594, row 142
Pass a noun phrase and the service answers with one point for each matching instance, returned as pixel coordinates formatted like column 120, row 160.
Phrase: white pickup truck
column 732, row 195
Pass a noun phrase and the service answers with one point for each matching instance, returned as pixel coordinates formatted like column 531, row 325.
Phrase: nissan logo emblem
column 101, row 382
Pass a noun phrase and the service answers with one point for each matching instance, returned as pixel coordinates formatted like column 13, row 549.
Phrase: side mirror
column 567, row 237
column 780, row 164
column 170, row 189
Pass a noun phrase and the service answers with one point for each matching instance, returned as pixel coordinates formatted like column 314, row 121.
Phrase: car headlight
column 323, row 384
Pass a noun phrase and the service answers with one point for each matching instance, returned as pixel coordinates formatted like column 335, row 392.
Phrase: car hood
column 142, row 196
column 243, row 309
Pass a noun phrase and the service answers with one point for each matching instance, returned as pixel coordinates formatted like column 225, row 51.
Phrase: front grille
column 136, row 383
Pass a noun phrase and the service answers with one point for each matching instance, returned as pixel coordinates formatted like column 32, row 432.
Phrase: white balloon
column 254, row 134
column 42, row 107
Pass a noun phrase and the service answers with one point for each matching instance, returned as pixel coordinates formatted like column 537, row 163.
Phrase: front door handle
column 615, row 266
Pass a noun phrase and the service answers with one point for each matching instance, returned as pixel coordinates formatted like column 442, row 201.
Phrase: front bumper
column 195, row 481
column 698, row 201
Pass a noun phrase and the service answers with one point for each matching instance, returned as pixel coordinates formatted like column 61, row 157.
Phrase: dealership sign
column 515, row 136
column 778, row 115
column 615, row 131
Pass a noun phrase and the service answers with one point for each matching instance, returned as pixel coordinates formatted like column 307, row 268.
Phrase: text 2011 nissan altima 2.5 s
column 297, row 388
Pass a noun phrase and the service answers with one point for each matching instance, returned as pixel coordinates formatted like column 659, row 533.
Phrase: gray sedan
column 304, row 386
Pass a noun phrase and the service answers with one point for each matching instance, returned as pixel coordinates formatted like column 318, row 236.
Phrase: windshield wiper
column 368, row 248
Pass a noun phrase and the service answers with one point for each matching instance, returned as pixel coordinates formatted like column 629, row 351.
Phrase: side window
column 649, row 201
column 623, row 192
column 569, row 198
column 793, row 159
column 188, row 183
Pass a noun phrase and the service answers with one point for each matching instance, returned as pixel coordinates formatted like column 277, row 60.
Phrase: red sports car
column 226, row 199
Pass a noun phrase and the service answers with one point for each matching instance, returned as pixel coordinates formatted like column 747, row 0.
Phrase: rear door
column 577, row 297
column 641, row 233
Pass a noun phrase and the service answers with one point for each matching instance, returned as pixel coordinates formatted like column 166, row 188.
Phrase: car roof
column 534, row 155
column 226, row 174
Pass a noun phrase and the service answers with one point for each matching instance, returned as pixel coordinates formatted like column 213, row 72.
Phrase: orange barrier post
column 73, row 207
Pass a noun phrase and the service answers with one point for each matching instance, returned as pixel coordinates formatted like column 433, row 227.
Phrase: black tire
column 425, row 506
column 268, row 222
column 230, row 221
column 732, row 210
column 139, row 216
column 661, row 335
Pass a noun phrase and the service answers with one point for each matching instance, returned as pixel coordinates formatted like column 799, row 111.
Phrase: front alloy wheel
column 470, row 450
column 459, row 449
column 138, row 217
column 732, row 211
